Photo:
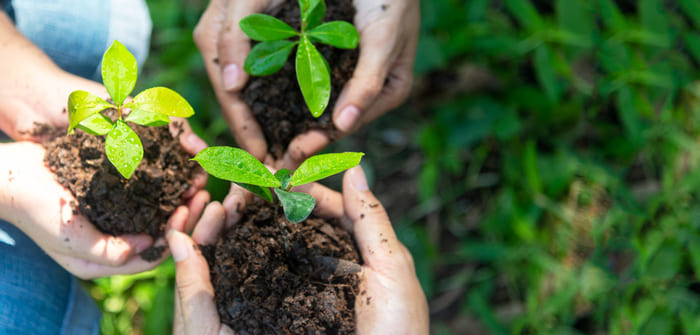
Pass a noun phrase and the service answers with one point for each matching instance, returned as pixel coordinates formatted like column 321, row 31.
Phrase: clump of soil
column 276, row 100
column 268, row 279
column 116, row 206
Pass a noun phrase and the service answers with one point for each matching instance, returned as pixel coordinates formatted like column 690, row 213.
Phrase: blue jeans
column 37, row 296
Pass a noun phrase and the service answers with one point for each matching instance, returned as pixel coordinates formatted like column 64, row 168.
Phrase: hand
column 32, row 200
column 392, row 303
column 381, row 81
column 195, row 309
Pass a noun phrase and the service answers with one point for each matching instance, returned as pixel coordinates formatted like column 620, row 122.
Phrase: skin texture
column 381, row 81
column 396, row 305
column 34, row 90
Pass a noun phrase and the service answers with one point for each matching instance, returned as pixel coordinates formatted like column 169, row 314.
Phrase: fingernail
column 357, row 179
column 196, row 143
column 179, row 247
column 347, row 118
column 230, row 76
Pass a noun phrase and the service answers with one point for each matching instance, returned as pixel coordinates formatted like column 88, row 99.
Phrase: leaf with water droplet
column 119, row 72
column 313, row 76
column 124, row 149
column 82, row 105
column 161, row 100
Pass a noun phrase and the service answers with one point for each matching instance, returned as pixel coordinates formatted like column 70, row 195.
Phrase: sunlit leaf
column 325, row 165
column 297, row 206
column 313, row 77
column 161, row 100
column 339, row 34
column 97, row 124
column 146, row 118
column 119, row 71
column 124, row 149
column 235, row 165
column 261, row 27
column 82, row 105
column 268, row 57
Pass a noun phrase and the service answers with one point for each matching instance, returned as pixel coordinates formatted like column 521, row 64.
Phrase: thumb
column 234, row 44
column 194, row 289
column 371, row 225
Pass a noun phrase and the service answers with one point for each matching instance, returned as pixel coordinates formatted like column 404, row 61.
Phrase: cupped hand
column 390, row 299
column 32, row 200
column 381, row 81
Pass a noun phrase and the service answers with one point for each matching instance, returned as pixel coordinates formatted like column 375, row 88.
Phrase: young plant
column 313, row 73
column 152, row 107
column 242, row 168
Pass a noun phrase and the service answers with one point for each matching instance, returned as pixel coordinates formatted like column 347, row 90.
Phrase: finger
column 302, row 147
column 234, row 44
column 245, row 128
column 210, row 225
column 234, row 204
column 86, row 242
column 329, row 203
column 194, row 289
column 373, row 231
column 196, row 206
column 189, row 141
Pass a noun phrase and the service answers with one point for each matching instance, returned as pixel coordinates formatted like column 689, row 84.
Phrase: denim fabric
column 76, row 33
column 37, row 296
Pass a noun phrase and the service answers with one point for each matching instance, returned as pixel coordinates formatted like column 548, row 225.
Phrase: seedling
column 151, row 107
column 242, row 168
column 313, row 73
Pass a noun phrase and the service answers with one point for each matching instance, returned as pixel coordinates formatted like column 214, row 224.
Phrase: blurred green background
column 543, row 173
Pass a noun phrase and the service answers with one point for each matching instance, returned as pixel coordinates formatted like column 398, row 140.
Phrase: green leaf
column 611, row 15
column 692, row 9
column 235, row 165
column 546, row 75
column 261, row 27
column 313, row 77
column 82, row 105
column 297, row 206
column 263, row 192
column 525, row 13
column 312, row 13
column 119, row 71
column 339, row 34
column 268, row 57
column 161, row 100
column 124, row 149
column 321, row 166
column 284, row 176
column 146, row 118
column 97, row 124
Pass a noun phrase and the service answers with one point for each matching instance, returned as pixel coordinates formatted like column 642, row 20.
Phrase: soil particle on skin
column 117, row 206
column 265, row 278
column 276, row 100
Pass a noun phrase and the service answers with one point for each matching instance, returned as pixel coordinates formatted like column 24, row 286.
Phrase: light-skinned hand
column 32, row 200
column 391, row 300
column 381, row 81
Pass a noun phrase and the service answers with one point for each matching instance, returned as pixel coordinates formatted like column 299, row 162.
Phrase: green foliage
column 151, row 107
column 568, row 175
column 312, row 69
column 244, row 169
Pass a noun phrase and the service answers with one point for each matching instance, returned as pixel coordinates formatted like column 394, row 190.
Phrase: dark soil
column 113, row 204
column 276, row 100
column 268, row 275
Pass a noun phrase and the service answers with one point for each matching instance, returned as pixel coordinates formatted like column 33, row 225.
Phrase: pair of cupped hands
column 40, row 207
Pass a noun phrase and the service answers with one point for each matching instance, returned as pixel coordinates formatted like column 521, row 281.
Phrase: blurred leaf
column 628, row 113
column 611, row 15
column 525, row 13
column 546, row 75
column 666, row 262
column 654, row 18
column 691, row 8
column 531, row 168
